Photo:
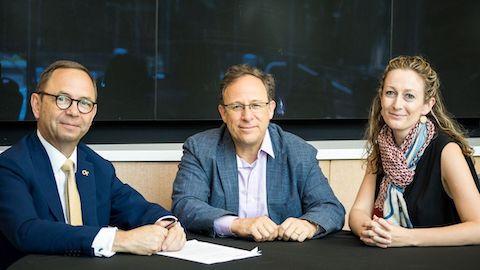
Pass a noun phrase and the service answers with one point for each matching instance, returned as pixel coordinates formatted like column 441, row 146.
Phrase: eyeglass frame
column 244, row 106
column 71, row 101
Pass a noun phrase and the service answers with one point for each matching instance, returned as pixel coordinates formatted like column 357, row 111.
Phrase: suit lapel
column 85, row 177
column 45, row 177
column 275, row 192
column 227, row 169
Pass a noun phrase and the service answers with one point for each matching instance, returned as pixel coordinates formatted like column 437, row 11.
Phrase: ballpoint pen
column 171, row 224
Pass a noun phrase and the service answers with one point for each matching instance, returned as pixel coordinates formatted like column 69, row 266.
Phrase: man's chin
column 71, row 137
column 245, row 141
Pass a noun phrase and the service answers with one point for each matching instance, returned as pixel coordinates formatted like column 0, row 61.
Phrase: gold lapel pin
column 85, row 172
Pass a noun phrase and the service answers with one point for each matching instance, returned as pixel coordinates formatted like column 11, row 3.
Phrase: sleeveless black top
column 427, row 202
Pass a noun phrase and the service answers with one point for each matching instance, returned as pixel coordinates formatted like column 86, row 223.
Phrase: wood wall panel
column 345, row 179
column 477, row 164
column 154, row 180
column 325, row 166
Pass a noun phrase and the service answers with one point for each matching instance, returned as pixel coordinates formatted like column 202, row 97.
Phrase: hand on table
column 379, row 232
column 145, row 240
column 259, row 228
column 294, row 229
column 176, row 237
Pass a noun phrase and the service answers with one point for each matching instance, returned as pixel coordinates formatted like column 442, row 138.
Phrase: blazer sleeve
column 192, row 192
column 320, row 204
column 23, row 228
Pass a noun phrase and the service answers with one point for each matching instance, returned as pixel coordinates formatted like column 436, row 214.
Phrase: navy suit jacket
column 206, row 185
column 31, row 215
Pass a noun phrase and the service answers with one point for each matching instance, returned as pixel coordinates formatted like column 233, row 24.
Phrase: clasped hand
column 264, row 229
column 150, row 239
column 381, row 233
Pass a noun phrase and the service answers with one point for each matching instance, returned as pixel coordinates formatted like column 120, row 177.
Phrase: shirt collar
column 267, row 145
column 57, row 159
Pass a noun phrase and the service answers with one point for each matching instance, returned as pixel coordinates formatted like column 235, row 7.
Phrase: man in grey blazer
column 249, row 178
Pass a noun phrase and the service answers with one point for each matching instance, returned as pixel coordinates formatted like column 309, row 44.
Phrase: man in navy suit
column 249, row 178
column 57, row 196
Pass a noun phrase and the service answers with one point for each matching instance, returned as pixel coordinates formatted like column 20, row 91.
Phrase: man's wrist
column 119, row 243
column 222, row 226
column 236, row 228
column 315, row 228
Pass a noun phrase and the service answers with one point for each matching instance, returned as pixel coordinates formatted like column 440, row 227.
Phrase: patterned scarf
column 399, row 164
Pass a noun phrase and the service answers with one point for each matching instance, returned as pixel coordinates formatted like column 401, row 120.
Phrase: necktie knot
column 67, row 167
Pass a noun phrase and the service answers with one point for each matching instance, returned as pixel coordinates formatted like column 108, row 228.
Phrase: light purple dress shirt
column 252, row 189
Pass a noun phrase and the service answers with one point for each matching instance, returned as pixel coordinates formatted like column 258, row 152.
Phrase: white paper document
column 208, row 253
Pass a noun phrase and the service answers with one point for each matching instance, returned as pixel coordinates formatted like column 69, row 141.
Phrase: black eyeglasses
column 64, row 102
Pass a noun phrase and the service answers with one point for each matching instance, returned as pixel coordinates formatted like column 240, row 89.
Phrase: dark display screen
column 163, row 60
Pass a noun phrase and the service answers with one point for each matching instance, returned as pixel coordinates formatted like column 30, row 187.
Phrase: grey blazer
column 206, row 185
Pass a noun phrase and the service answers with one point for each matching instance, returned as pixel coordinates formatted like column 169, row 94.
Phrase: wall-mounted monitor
column 163, row 60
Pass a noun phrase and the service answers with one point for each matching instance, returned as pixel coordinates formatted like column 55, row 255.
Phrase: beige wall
column 477, row 164
column 154, row 179
column 345, row 179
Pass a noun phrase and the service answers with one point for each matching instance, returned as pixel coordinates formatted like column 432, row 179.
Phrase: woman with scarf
column 420, row 186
